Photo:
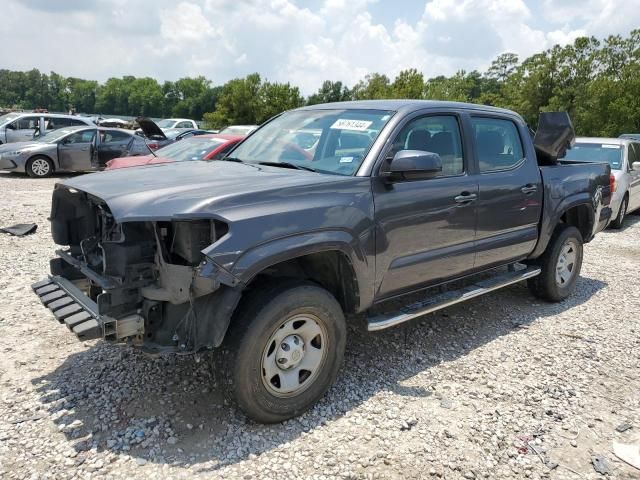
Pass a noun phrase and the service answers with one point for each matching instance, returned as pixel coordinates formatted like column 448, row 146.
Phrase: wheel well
column 581, row 217
column 332, row 270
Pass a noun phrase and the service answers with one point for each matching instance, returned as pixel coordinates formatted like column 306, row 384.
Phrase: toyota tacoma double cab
column 318, row 217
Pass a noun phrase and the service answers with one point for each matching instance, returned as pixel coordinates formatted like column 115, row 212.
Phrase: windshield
column 596, row 153
column 8, row 117
column 328, row 141
column 165, row 123
column 190, row 149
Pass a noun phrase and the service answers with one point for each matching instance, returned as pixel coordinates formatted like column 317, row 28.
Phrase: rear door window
column 53, row 123
column 497, row 143
column 114, row 136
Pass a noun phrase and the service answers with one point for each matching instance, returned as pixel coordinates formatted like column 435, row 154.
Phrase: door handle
column 465, row 198
column 529, row 189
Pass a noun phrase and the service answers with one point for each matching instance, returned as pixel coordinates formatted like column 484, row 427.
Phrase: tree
column 81, row 94
column 238, row 103
column 595, row 81
column 408, row 84
column 503, row 66
column 458, row 88
column 144, row 97
column 330, row 92
column 276, row 98
column 374, row 86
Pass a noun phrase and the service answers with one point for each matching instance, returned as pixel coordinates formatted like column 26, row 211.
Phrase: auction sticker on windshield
column 346, row 124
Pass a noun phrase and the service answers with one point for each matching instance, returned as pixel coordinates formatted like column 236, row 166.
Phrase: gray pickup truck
column 319, row 216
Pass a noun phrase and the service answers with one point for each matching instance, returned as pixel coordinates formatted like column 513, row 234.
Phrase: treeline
column 598, row 82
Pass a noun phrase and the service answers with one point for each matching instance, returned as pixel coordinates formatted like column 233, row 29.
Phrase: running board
column 443, row 300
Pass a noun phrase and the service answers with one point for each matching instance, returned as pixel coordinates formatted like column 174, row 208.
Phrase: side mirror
column 413, row 165
column 11, row 126
column 635, row 165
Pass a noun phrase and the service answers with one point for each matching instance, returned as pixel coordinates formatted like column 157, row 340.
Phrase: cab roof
column 405, row 105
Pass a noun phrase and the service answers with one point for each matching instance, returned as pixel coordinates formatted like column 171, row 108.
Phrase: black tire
column 250, row 339
column 618, row 223
column 35, row 167
column 545, row 285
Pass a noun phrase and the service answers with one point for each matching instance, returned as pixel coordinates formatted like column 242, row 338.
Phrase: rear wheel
column 39, row 167
column 622, row 214
column 560, row 264
column 284, row 350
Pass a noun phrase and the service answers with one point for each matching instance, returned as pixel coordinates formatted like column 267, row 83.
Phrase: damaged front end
column 142, row 282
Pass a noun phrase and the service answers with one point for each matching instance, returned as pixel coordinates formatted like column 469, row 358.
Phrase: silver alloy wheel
column 294, row 355
column 40, row 167
column 566, row 265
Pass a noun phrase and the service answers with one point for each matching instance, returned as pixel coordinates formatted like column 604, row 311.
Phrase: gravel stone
column 500, row 387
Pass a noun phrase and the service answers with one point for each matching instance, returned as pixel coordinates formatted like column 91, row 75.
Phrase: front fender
column 265, row 255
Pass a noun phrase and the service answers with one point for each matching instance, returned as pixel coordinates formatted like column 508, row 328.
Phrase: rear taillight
column 152, row 146
column 612, row 183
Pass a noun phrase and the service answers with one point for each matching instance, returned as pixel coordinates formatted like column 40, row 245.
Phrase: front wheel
column 560, row 264
column 285, row 348
column 39, row 167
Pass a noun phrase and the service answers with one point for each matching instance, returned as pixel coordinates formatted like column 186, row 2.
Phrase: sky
column 300, row 41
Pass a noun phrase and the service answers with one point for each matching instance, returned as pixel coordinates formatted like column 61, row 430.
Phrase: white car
column 239, row 129
column 623, row 155
column 24, row 127
column 176, row 123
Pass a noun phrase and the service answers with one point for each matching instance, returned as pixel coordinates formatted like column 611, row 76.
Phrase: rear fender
column 553, row 212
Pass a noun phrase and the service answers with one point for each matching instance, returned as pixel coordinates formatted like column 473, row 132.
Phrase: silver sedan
column 78, row 149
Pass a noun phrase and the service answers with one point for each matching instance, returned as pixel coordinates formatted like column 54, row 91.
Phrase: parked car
column 22, row 127
column 177, row 123
column 158, row 137
column 623, row 155
column 113, row 122
column 631, row 136
column 201, row 147
column 268, row 253
column 79, row 149
column 239, row 129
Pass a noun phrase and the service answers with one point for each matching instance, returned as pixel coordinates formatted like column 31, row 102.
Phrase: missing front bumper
column 79, row 313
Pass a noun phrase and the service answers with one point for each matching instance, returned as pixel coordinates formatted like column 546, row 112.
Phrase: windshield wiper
column 288, row 165
column 233, row 159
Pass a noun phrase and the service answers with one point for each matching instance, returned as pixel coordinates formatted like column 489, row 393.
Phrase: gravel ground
column 503, row 386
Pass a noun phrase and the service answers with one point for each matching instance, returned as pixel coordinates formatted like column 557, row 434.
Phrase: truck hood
column 196, row 189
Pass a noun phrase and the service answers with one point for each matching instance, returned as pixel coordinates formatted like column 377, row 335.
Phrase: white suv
column 23, row 127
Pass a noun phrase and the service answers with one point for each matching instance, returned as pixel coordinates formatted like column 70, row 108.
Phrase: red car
column 201, row 147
